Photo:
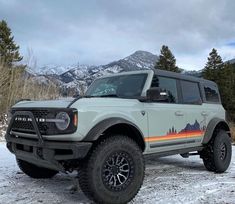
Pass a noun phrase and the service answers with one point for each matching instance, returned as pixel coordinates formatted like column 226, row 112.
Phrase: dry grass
column 16, row 85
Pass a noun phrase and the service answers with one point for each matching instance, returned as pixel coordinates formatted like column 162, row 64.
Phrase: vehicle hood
column 79, row 104
column 63, row 103
column 104, row 102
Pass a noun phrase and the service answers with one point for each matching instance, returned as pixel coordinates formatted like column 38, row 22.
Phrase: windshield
column 126, row 86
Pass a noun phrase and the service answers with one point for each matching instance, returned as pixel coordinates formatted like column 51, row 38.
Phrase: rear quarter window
column 211, row 93
column 190, row 92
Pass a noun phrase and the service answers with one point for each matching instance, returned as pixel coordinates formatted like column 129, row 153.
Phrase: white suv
column 104, row 134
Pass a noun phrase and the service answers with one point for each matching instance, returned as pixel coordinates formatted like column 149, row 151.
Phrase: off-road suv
column 104, row 134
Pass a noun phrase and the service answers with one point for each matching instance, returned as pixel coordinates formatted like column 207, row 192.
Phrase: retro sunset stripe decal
column 173, row 136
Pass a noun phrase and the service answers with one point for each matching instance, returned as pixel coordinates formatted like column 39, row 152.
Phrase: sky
column 96, row 32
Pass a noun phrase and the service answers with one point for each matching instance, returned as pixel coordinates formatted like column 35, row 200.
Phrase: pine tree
column 215, row 70
column 223, row 74
column 9, row 51
column 167, row 60
column 213, row 66
column 228, row 90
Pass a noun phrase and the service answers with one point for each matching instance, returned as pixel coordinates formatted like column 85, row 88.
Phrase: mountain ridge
column 78, row 77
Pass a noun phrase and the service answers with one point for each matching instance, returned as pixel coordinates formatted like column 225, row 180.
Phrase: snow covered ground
column 168, row 180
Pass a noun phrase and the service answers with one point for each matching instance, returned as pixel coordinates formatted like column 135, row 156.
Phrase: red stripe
column 171, row 136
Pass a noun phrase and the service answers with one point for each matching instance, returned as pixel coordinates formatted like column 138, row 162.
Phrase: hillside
column 76, row 77
column 73, row 78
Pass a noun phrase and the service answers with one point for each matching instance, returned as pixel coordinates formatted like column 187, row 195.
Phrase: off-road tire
column 95, row 174
column 217, row 154
column 34, row 171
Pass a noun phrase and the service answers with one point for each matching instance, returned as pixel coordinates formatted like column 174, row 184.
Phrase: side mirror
column 156, row 94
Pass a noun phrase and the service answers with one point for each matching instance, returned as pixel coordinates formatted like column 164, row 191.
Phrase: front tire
column 34, row 171
column 217, row 154
column 114, row 171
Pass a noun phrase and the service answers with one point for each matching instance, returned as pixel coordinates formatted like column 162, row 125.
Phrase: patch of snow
column 2, row 133
column 3, row 127
column 50, row 69
column 167, row 180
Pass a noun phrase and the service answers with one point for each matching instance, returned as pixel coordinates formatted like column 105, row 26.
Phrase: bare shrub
column 17, row 84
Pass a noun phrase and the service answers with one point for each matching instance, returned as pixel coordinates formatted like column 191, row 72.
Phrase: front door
column 166, row 120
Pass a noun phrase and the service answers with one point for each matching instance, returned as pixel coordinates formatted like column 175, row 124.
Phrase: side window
column 190, row 92
column 212, row 94
column 168, row 85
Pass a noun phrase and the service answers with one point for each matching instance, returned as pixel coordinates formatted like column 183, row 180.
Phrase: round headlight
column 62, row 120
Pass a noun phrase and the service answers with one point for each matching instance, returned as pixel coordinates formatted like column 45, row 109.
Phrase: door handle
column 204, row 113
column 179, row 113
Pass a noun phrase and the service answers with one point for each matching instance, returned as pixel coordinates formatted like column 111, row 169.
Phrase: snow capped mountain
column 142, row 59
column 51, row 69
column 80, row 76
column 74, row 78
column 193, row 73
column 137, row 61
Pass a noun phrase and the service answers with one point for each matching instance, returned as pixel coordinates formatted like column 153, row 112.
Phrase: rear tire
column 114, row 171
column 217, row 154
column 34, row 171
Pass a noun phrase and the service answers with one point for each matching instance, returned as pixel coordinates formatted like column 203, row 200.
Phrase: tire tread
column 87, row 166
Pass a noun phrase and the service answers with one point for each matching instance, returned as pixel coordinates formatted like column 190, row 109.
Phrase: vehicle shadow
column 176, row 161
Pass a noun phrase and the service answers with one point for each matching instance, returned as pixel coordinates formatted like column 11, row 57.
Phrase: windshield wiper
column 109, row 95
column 97, row 96
column 87, row 96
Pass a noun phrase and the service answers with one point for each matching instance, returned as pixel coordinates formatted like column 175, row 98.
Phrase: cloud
column 232, row 44
column 97, row 32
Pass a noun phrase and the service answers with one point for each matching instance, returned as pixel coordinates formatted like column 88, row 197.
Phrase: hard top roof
column 182, row 76
column 166, row 74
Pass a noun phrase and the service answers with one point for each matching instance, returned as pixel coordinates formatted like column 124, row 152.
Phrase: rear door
column 196, row 112
column 212, row 105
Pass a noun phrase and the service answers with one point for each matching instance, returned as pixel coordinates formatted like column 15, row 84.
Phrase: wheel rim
column 117, row 171
column 223, row 151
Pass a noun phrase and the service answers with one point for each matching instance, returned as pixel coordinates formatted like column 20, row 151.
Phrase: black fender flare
column 105, row 124
column 211, row 127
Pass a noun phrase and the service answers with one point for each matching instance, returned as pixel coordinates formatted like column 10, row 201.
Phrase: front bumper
column 48, row 154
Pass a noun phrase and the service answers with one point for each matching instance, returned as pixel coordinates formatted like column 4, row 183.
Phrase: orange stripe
column 175, row 136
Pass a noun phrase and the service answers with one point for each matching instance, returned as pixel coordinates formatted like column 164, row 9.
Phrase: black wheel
column 34, row 171
column 217, row 155
column 114, row 171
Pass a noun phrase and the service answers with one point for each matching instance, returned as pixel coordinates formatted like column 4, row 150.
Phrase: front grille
column 43, row 117
column 23, row 123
